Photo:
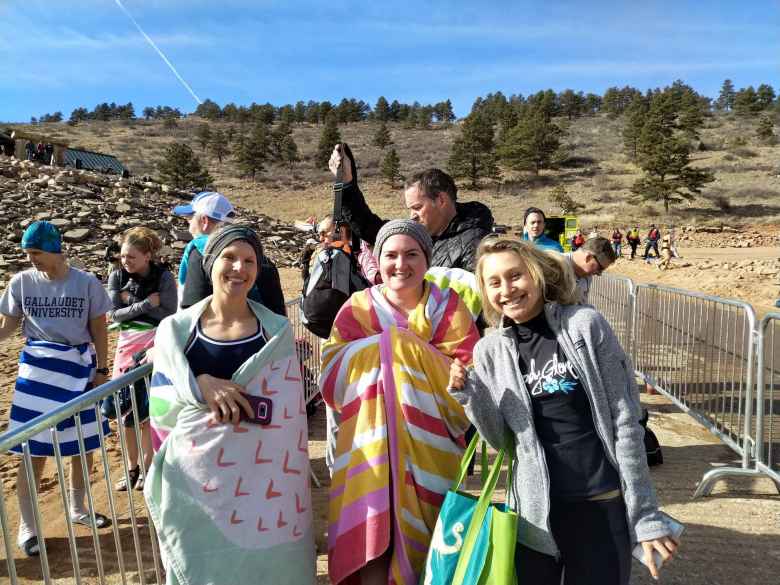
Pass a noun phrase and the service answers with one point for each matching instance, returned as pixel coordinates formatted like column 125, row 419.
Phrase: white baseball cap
column 209, row 203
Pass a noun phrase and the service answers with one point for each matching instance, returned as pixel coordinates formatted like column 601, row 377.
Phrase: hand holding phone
column 262, row 409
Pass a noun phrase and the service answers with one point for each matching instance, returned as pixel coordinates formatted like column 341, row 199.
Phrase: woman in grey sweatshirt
column 553, row 387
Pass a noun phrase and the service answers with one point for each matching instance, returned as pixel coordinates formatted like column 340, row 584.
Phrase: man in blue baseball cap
column 208, row 211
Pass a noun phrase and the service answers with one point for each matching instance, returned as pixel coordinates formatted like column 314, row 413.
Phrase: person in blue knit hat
column 62, row 312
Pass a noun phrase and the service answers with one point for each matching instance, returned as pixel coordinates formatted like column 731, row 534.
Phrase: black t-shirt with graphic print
column 575, row 455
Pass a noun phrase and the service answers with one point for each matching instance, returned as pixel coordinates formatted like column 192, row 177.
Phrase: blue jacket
column 545, row 243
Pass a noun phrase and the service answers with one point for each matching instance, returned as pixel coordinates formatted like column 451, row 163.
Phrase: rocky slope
column 91, row 208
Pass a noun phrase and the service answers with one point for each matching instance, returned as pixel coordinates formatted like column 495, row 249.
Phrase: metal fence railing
column 768, row 398
column 126, row 552
column 709, row 356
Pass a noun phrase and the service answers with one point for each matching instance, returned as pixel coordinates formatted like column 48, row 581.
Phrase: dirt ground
column 731, row 538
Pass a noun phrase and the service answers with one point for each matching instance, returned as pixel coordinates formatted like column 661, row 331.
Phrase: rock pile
column 727, row 237
column 91, row 208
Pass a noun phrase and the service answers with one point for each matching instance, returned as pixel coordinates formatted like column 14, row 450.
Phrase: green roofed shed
column 94, row 161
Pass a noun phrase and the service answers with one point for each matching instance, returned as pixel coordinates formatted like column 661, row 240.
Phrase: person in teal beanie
column 533, row 230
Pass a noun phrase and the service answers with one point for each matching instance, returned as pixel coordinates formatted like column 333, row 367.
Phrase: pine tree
column 203, row 135
column 765, row 95
column 329, row 137
column 766, row 130
column 664, row 156
column 473, row 153
column 746, row 102
column 219, row 144
column 532, row 144
column 254, row 151
column 181, row 168
column 382, row 136
column 278, row 138
column 391, row 167
column 289, row 151
column 691, row 116
column 564, row 201
column 635, row 121
column 169, row 122
column 725, row 101
column 382, row 110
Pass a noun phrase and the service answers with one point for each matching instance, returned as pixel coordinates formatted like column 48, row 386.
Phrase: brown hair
column 143, row 239
column 431, row 182
column 549, row 271
column 601, row 248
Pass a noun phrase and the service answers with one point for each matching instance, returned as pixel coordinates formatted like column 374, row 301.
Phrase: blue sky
column 61, row 55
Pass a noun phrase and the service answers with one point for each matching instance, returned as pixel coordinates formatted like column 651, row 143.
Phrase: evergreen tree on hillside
column 635, row 120
column 382, row 109
column 182, row 169
column 572, row 104
column 382, row 136
column 203, row 136
column 278, row 138
column 289, row 151
column 148, row 113
column 691, row 117
column 169, row 122
column 254, row 151
column 746, row 102
column 391, row 167
column 766, row 130
column 444, row 112
column 765, row 95
column 664, row 157
column 219, row 144
column 725, row 101
column 473, row 153
column 534, row 143
column 209, row 110
column 329, row 137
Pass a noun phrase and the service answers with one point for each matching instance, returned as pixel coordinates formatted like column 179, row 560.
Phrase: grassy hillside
column 598, row 174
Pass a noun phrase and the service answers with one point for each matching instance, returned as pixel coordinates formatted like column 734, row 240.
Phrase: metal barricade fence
column 104, row 557
column 613, row 296
column 768, row 398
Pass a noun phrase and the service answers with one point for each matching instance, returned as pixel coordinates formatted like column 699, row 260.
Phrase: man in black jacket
column 431, row 198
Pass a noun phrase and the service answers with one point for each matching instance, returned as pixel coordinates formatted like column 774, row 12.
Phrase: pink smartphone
column 262, row 409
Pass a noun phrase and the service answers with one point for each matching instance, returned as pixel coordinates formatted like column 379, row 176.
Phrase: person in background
column 62, row 311
column 673, row 242
column 533, row 230
column 207, row 212
column 552, row 386
column 577, row 241
column 652, row 242
column 633, row 238
column 29, row 148
column 666, row 253
column 143, row 293
column 617, row 241
column 593, row 258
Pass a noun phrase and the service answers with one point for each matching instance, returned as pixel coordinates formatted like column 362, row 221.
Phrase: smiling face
column 510, row 288
column 235, row 270
column 402, row 264
column 133, row 260
column 534, row 225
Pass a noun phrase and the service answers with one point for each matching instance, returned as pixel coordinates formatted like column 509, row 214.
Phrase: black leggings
column 594, row 545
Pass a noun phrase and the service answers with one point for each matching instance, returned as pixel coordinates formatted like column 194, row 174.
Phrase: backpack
column 333, row 278
column 652, row 446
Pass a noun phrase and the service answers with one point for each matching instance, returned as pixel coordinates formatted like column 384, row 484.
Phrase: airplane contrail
column 159, row 52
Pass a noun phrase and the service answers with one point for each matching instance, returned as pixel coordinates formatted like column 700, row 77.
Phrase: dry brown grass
column 597, row 172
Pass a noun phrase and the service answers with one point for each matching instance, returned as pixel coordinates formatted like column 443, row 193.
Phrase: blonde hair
column 143, row 239
column 549, row 271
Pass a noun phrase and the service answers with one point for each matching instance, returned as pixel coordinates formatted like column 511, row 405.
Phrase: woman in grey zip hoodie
column 553, row 386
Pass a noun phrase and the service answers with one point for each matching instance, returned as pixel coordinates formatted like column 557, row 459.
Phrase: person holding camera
column 228, row 489
column 143, row 293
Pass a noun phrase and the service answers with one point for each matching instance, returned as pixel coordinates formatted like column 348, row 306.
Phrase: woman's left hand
column 665, row 546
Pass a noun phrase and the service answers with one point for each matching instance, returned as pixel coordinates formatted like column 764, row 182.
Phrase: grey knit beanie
column 225, row 236
column 405, row 227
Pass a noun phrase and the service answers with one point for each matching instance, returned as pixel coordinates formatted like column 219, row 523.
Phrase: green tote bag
column 474, row 540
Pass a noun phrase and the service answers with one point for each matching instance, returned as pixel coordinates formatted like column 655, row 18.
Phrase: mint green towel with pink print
column 231, row 504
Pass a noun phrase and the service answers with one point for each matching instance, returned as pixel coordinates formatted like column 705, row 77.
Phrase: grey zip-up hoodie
column 497, row 402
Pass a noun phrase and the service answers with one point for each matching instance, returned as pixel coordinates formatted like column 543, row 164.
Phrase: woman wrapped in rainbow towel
column 401, row 436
